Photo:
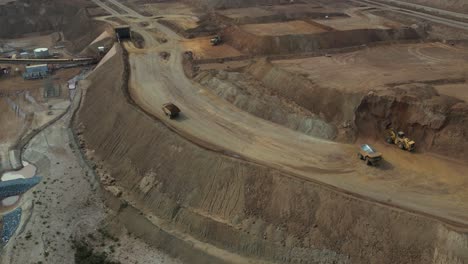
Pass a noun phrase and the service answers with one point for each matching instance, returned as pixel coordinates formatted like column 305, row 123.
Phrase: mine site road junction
column 213, row 123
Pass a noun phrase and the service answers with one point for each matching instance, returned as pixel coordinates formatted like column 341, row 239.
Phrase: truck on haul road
column 371, row 156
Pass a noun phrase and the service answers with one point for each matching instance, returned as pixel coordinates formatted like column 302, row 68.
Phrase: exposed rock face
column 334, row 107
column 21, row 17
column 437, row 123
column 32, row 16
column 250, row 95
column 254, row 44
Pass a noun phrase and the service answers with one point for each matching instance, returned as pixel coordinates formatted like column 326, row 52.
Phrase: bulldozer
column 216, row 40
column 399, row 138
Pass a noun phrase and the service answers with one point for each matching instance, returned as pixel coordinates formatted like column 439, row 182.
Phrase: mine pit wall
column 81, row 31
column 249, row 95
column 334, row 107
column 281, row 17
column 236, row 205
column 437, row 123
column 254, row 44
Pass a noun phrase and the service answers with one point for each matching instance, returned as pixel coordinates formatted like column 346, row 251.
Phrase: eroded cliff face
column 36, row 16
column 22, row 17
column 289, row 44
column 438, row 123
column 247, row 210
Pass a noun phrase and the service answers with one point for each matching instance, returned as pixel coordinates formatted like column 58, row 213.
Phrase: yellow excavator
column 399, row 139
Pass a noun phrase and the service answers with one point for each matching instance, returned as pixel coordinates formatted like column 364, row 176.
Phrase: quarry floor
column 376, row 67
column 404, row 181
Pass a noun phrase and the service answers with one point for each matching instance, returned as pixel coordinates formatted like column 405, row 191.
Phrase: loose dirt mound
column 242, row 207
column 299, row 43
column 438, row 123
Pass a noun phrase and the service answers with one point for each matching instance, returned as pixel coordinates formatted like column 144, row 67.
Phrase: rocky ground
column 66, row 209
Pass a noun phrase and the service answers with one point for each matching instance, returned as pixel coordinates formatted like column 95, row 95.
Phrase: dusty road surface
column 437, row 191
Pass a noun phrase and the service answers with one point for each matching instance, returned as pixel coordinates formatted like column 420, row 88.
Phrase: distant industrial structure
column 36, row 72
column 41, row 53
column 25, row 55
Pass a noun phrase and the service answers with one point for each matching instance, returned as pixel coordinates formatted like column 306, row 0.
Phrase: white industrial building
column 41, row 53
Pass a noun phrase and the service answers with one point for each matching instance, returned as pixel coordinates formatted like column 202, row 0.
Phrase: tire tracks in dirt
column 212, row 147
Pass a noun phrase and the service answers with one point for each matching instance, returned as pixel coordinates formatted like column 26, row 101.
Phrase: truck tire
column 360, row 156
column 389, row 141
column 368, row 162
column 401, row 146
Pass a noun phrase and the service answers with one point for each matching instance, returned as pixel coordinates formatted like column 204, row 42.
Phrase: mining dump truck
column 399, row 139
column 171, row 110
column 370, row 155
column 216, row 40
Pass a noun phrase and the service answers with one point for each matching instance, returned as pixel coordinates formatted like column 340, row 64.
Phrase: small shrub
column 84, row 254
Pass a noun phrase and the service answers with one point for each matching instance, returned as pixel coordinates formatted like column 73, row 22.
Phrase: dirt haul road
column 215, row 124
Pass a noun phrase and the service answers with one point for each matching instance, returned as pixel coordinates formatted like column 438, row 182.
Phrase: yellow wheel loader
column 216, row 40
column 399, row 139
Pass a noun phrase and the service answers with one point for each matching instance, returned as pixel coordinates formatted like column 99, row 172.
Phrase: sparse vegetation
column 85, row 254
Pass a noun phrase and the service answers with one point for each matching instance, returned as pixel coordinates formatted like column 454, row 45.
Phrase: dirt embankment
column 252, row 96
column 238, row 206
column 32, row 16
column 333, row 107
column 224, row 4
column 460, row 6
column 438, row 123
column 300, row 43
column 280, row 16
column 81, row 30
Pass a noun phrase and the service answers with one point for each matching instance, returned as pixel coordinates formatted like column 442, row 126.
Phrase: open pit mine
column 234, row 131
